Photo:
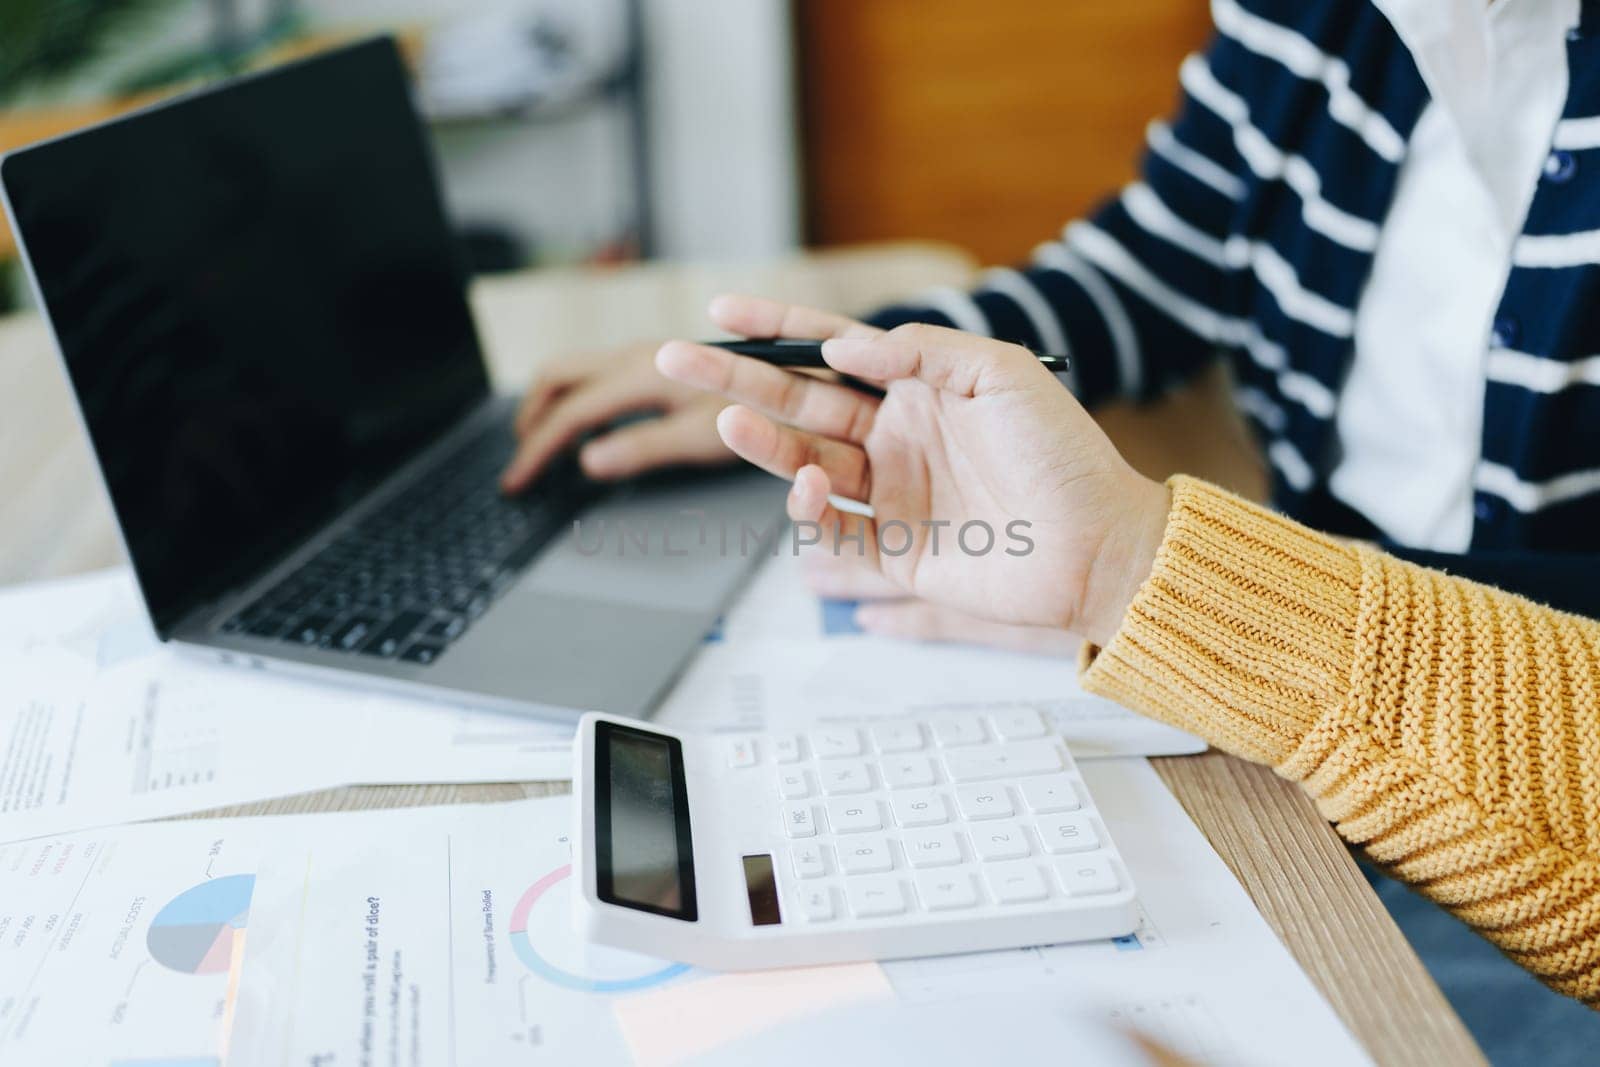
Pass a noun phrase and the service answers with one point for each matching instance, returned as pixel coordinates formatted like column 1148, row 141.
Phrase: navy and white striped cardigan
column 1250, row 235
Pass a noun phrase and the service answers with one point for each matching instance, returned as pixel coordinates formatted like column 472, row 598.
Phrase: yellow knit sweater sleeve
column 1449, row 729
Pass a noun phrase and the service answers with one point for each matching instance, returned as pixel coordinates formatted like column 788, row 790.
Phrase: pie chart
column 201, row 929
column 542, row 937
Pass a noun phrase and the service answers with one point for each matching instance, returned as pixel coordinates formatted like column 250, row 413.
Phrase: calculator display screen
column 644, row 856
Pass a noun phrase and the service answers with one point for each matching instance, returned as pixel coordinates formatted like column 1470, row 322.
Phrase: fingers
column 550, row 383
column 918, row 620
column 784, row 451
column 843, row 575
column 948, row 360
column 809, row 403
column 754, row 316
column 688, row 436
column 808, row 502
column 581, row 410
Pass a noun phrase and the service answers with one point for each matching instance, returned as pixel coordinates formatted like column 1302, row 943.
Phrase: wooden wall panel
column 988, row 123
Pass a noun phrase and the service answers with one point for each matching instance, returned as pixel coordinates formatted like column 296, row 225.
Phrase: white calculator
column 896, row 838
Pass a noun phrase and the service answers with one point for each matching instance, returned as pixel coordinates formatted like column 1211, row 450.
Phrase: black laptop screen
column 261, row 308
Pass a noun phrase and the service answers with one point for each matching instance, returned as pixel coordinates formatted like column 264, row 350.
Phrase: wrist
column 1126, row 556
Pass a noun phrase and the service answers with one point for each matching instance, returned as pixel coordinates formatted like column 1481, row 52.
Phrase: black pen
column 782, row 352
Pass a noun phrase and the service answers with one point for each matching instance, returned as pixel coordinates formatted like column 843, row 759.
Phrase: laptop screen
column 261, row 308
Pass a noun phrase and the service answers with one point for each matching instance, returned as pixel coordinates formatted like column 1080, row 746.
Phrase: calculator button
column 1002, row 761
column 1020, row 724
column 870, row 897
column 953, row 730
column 1000, row 841
column 865, row 855
column 1085, row 876
column 845, row 776
column 907, row 772
column 931, row 848
column 836, row 742
column 807, row 860
column 786, row 748
column 922, row 808
column 816, row 904
column 1068, row 833
column 794, row 784
column 946, row 890
column 798, row 822
column 742, row 753
column 983, row 801
column 1050, row 793
column 897, row 737
column 853, row 816
column 1015, row 883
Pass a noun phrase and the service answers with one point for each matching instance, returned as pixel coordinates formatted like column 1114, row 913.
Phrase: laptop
column 262, row 313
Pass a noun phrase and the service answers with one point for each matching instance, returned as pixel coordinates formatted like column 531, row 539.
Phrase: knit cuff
column 1244, row 633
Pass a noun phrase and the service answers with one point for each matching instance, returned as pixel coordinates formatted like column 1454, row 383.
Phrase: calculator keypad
column 959, row 812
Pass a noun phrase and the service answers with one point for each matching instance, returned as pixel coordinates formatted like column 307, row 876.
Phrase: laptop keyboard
column 414, row 575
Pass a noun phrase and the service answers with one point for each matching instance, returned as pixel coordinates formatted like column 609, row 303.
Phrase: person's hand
column 586, row 391
column 884, row 609
column 972, row 434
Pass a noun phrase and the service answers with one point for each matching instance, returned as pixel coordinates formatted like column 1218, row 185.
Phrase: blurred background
column 602, row 131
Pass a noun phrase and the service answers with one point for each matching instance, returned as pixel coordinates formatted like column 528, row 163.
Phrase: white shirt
column 1410, row 417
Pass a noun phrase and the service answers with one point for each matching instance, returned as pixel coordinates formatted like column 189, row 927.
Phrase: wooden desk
column 53, row 522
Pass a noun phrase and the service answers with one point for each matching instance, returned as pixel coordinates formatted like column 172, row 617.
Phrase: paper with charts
column 782, row 658
column 439, row 937
column 99, row 724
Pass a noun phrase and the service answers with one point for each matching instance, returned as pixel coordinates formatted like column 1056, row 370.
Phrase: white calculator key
column 853, row 816
column 1086, row 876
column 907, row 772
column 922, row 808
column 898, row 736
column 954, row 729
column 786, row 748
column 870, row 897
column 1015, row 883
column 794, row 784
column 931, row 848
column 798, row 821
column 1000, row 841
column 1068, row 833
column 816, row 903
column 865, row 855
column 807, row 860
column 845, row 776
column 983, row 801
column 742, row 753
column 1020, row 724
column 1050, row 793
column 946, row 890
column 835, row 742
column 1012, row 760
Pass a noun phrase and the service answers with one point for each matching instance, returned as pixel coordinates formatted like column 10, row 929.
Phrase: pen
column 781, row 352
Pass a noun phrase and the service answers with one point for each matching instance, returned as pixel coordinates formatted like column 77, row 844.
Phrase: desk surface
column 1299, row 874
